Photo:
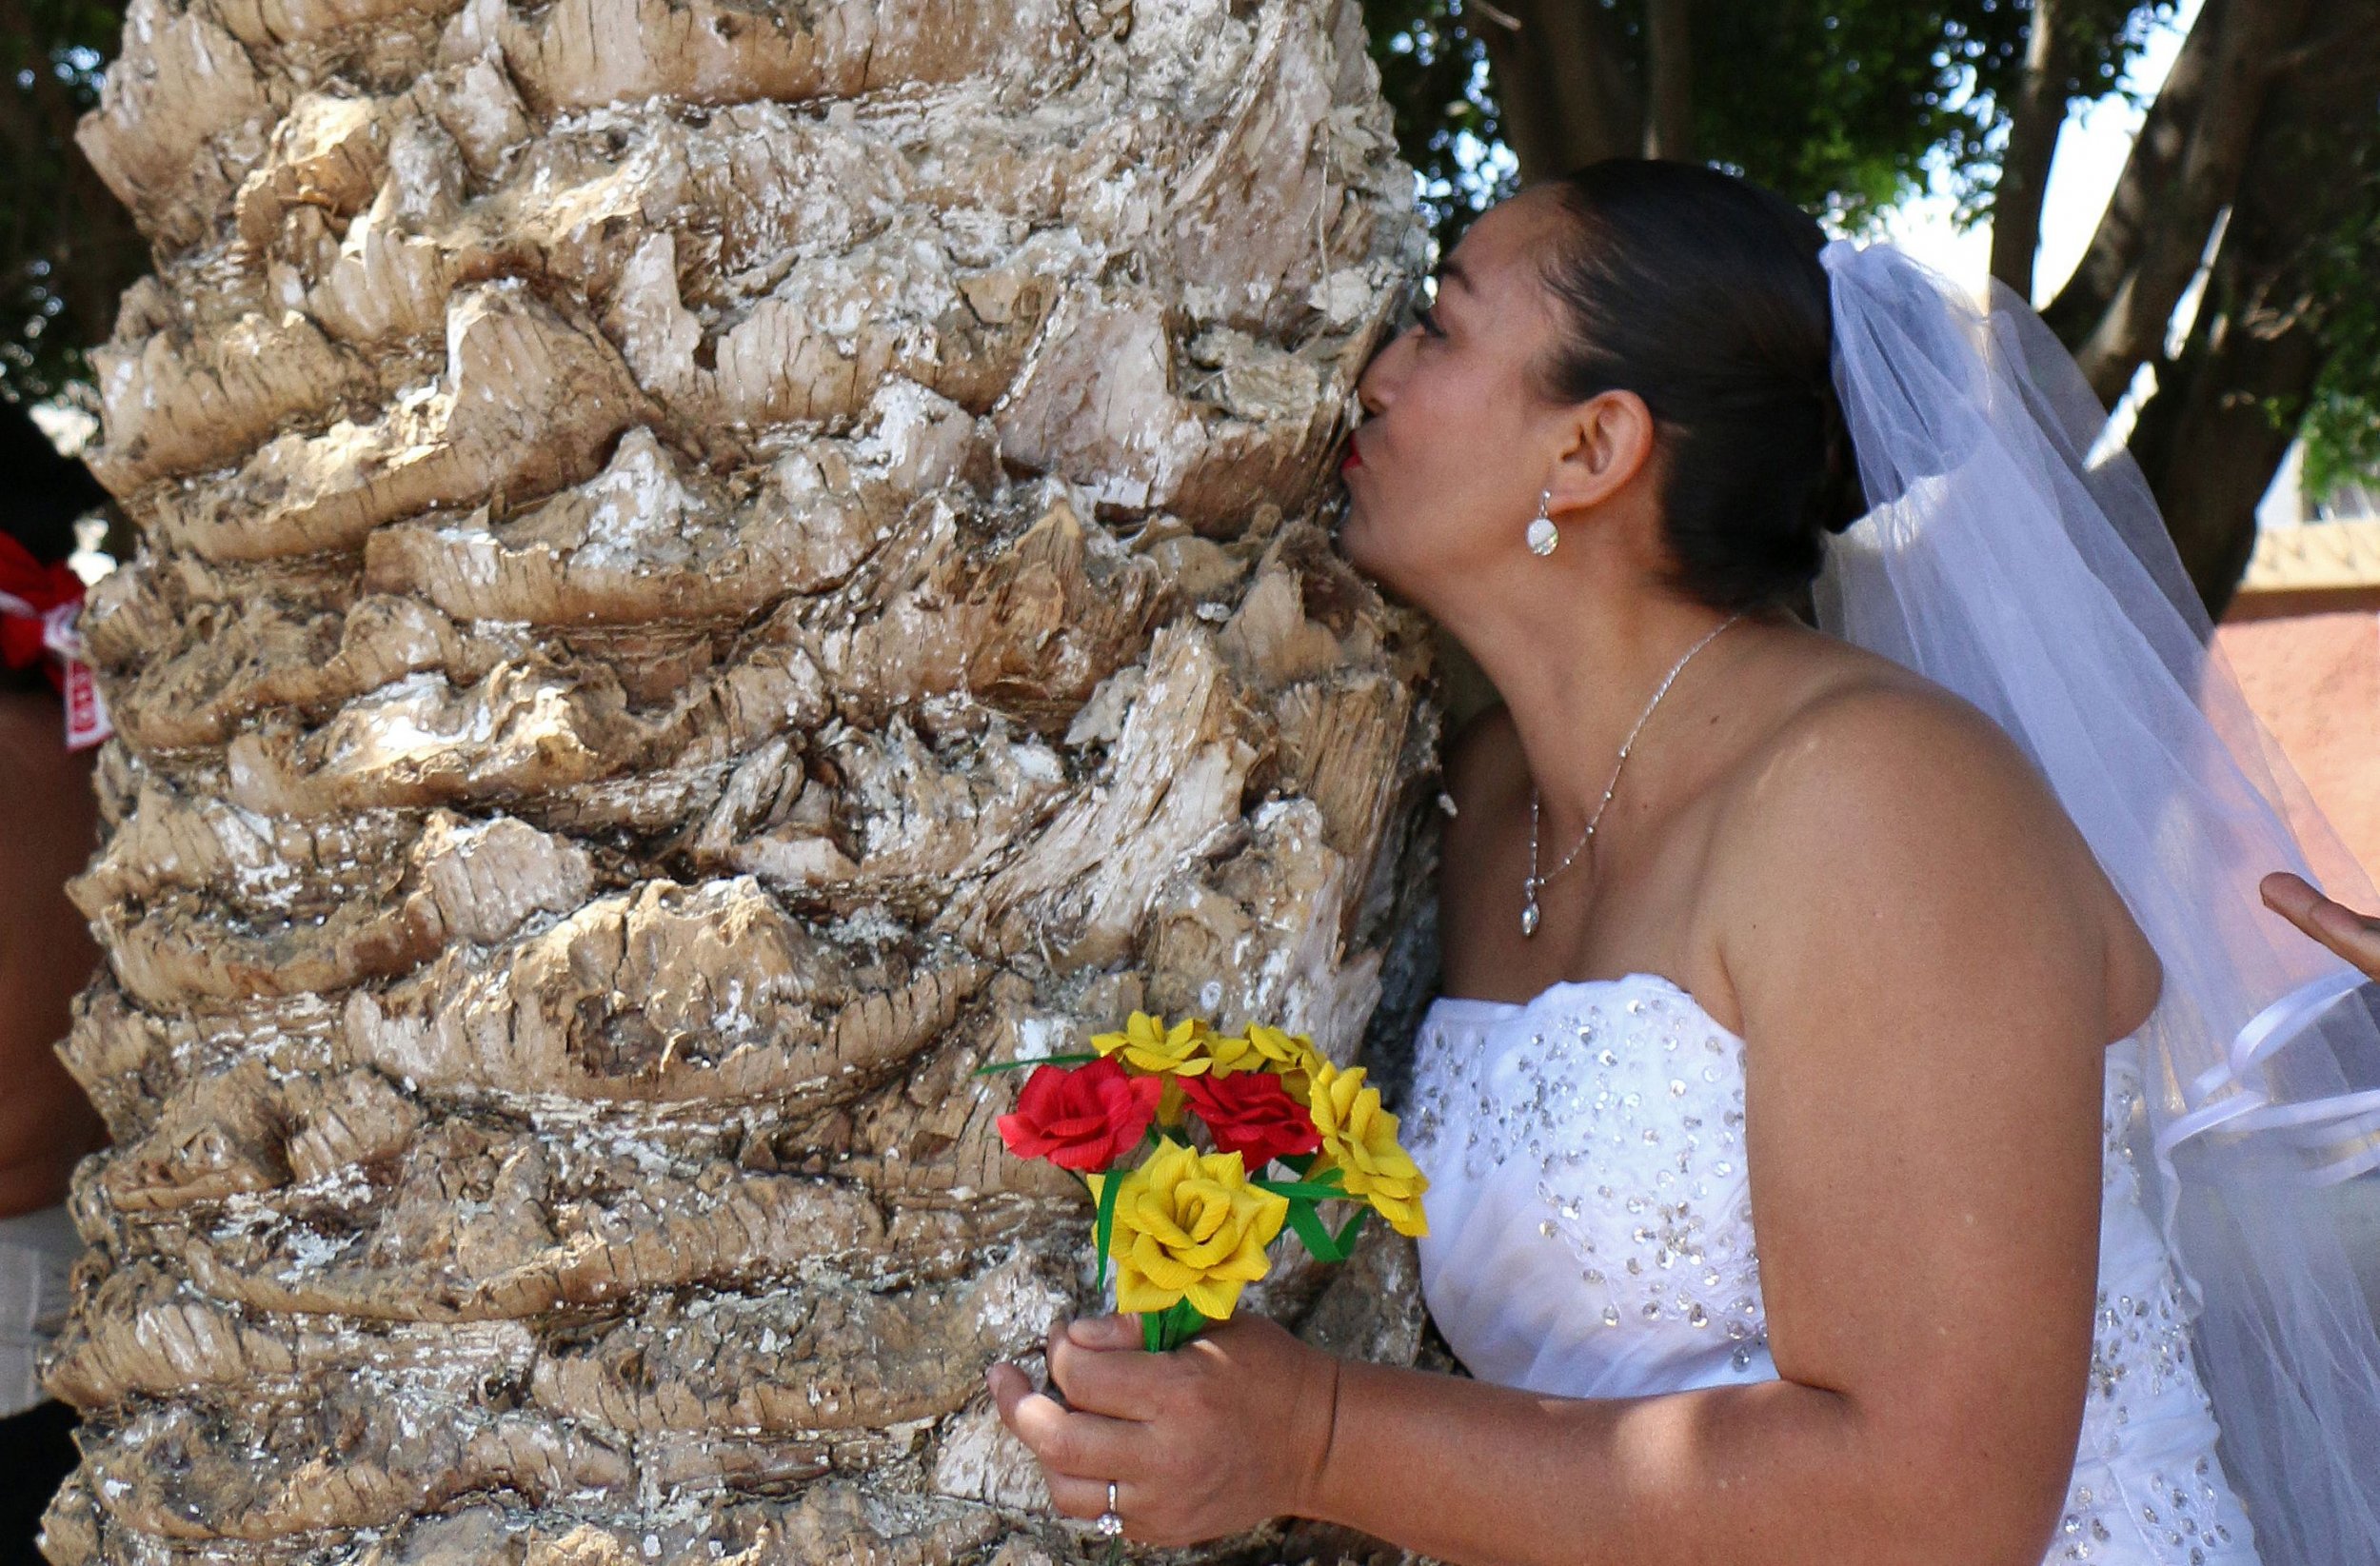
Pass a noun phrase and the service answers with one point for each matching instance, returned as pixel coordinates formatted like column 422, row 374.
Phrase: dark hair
column 1702, row 293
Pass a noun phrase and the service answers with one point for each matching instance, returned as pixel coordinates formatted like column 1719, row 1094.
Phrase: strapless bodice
column 1591, row 1236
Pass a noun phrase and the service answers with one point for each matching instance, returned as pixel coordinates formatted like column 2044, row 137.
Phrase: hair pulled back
column 1702, row 293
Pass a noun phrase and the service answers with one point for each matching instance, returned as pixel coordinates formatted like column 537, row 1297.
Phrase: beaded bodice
column 1590, row 1235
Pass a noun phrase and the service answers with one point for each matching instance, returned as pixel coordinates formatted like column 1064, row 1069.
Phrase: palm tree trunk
column 707, row 570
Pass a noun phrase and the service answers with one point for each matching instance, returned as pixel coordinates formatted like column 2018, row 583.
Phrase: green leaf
column 1178, row 1323
column 1103, row 1226
column 1306, row 1189
column 990, row 1067
column 1346, row 1240
column 1320, row 1243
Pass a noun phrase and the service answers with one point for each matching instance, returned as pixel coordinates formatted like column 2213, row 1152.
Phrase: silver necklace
column 1530, row 887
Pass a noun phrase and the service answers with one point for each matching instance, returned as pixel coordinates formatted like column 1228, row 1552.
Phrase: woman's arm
column 1920, row 964
column 1921, row 970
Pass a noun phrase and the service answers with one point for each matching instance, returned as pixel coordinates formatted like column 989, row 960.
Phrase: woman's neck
column 1577, row 655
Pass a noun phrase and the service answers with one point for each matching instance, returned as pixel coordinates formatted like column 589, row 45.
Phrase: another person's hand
column 1213, row 1438
column 2353, row 936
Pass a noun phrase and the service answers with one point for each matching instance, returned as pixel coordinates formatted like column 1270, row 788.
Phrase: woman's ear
column 1610, row 444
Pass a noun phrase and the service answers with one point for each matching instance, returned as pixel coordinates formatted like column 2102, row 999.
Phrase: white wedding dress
column 1591, row 1236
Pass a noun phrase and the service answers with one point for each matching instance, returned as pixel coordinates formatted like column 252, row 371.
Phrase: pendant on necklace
column 1529, row 918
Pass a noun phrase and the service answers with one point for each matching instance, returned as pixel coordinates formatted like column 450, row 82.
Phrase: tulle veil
column 2015, row 555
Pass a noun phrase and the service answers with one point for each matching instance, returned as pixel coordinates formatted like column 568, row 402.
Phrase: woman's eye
column 1428, row 322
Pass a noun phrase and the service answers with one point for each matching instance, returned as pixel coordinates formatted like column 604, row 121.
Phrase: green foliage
column 60, row 262
column 1842, row 105
column 2342, row 419
column 1433, row 72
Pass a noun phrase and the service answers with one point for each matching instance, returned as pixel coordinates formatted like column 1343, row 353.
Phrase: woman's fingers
column 1081, row 1498
column 1066, row 1442
column 1114, row 1375
column 1114, row 1331
column 2350, row 934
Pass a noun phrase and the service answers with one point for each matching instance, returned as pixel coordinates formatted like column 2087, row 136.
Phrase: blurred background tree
column 2252, row 197
column 2238, row 259
column 67, row 246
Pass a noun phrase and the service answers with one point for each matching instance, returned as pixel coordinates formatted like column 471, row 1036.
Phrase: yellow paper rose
column 1289, row 1056
column 1359, row 1141
column 1189, row 1225
column 1152, row 1049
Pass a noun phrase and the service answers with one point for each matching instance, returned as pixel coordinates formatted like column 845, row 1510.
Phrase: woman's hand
column 2350, row 934
column 1221, row 1433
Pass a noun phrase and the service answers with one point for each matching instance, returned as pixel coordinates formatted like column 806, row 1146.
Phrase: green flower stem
column 1164, row 1331
column 992, row 1066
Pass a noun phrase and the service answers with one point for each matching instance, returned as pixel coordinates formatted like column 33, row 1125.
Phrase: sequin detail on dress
column 1634, row 1129
column 1591, row 1236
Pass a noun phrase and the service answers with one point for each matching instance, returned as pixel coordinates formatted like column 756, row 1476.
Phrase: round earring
column 1543, row 535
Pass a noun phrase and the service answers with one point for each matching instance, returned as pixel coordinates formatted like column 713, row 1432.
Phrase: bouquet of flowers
column 1188, row 1220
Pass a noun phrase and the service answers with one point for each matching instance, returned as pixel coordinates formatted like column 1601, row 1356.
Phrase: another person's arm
column 2353, row 936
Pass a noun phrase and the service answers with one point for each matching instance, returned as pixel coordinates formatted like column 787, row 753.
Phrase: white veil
column 2012, row 560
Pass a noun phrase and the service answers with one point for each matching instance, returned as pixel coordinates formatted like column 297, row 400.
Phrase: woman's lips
column 1352, row 459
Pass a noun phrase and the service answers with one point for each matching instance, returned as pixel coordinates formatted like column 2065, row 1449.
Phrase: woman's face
column 1445, row 474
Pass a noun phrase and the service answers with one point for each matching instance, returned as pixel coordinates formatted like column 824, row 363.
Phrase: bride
column 1901, row 937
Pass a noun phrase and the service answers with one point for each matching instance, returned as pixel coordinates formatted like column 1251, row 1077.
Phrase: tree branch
column 1669, row 54
column 2185, row 168
column 2033, row 130
column 1565, row 83
column 2227, row 406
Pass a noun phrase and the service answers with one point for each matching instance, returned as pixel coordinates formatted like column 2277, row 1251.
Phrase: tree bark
column 706, row 571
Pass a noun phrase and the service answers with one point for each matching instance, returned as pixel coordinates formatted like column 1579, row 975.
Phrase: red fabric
column 41, row 587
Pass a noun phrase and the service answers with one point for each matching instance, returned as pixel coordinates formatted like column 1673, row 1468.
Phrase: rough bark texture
column 706, row 568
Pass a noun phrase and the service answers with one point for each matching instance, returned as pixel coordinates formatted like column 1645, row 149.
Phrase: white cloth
column 37, row 1250
column 1591, row 1236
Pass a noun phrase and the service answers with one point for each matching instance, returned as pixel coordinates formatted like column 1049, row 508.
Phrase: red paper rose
column 1083, row 1118
column 1251, row 1114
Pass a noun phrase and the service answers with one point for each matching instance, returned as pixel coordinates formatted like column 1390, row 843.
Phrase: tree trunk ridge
column 706, row 569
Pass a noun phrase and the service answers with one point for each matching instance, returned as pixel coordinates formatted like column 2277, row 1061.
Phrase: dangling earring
column 1543, row 535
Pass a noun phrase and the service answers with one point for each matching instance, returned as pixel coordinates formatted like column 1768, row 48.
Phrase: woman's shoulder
column 1883, row 791
column 1869, row 758
column 1868, row 724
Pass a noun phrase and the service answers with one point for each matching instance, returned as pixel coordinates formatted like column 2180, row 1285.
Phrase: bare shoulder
column 1888, row 803
column 1886, row 740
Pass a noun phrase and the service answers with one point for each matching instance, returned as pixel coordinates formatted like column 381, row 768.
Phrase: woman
column 1739, row 918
